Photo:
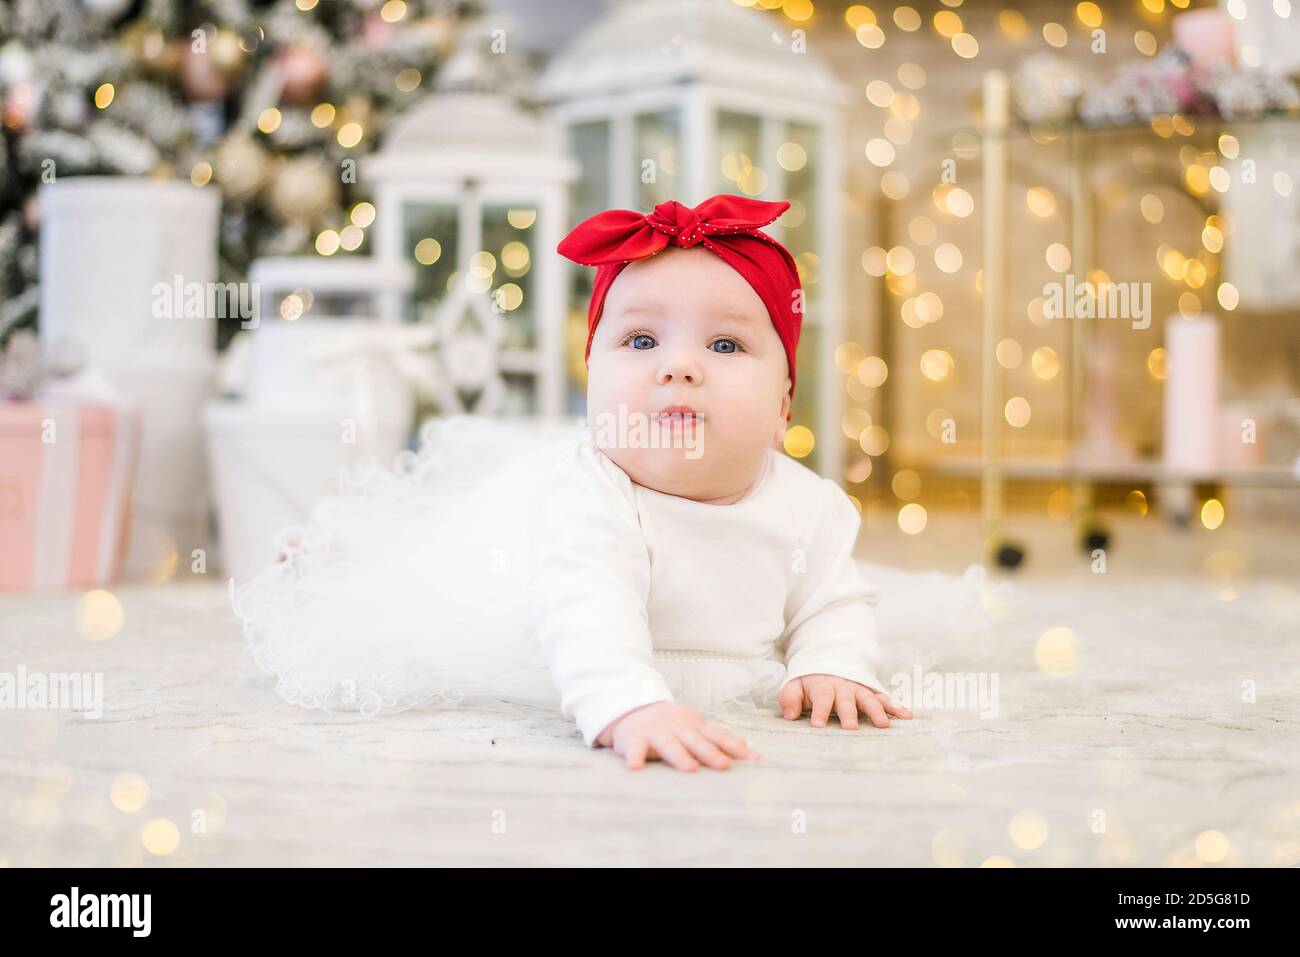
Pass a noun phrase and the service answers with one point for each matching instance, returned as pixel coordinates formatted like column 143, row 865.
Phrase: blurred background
column 244, row 244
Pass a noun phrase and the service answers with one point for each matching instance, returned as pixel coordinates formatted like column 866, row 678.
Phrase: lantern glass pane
column 658, row 157
column 800, row 150
column 430, row 233
column 508, row 231
column 735, row 168
column 589, row 193
column 520, row 396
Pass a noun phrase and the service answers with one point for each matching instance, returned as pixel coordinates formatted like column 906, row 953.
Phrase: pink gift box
column 66, row 468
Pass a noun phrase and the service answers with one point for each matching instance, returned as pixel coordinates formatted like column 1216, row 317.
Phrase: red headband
column 726, row 225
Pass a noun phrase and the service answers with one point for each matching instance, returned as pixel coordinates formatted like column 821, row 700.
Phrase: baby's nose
column 679, row 370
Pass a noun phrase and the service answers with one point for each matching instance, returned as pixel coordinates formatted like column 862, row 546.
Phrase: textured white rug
column 1132, row 758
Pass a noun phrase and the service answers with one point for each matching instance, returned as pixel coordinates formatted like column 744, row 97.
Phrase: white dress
column 506, row 564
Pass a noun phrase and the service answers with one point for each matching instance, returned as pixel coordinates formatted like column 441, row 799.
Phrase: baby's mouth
column 679, row 416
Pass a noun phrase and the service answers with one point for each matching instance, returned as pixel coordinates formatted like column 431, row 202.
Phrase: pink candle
column 1191, row 413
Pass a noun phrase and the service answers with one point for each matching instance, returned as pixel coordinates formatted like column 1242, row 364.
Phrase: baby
column 696, row 540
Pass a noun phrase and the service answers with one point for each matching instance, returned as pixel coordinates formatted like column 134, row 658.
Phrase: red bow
column 622, row 235
column 726, row 225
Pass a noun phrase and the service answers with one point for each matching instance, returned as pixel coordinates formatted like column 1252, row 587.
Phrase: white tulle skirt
column 380, row 602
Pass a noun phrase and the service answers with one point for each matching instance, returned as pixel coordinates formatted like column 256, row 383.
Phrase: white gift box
column 120, row 259
column 270, row 466
column 306, row 361
column 320, row 395
column 112, row 250
column 172, row 496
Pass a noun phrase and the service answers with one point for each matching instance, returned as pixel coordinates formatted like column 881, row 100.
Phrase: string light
column 947, row 24
column 900, row 260
column 797, row 10
column 799, row 441
column 1089, row 14
column 322, row 115
column 858, row 15
column 1017, row 411
column 160, row 837
column 1058, row 258
column 350, row 237
column 959, row 202
column 268, row 121
column 922, row 230
column 100, row 615
column 948, row 258
column 911, row 75
column 1228, row 296
column 965, row 46
column 791, row 157
column 363, row 214
column 1009, row 354
column 871, row 36
column 912, row 518
column 1045, row 363
column 128, row 792
column 1028, row 830
column 1012, row 24
column 880, row 151
column 327, row 242
column 873, row 371
column 1040, row 201
column 906, row 18
column 880, row 93
column 1057, row 652
column 349, row 135
column 1055, row 34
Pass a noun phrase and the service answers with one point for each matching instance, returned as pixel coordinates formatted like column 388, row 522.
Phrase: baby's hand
column 676, row 734
column 823, row 692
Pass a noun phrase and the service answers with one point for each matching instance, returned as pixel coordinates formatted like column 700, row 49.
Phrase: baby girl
column 666, row 563
column 697, row 539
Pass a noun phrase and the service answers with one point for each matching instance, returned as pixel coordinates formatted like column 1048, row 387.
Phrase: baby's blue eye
column 643, row 342
column 729, row 345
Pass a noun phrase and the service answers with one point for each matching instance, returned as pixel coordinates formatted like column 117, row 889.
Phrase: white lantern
column 470, row 190
column 293, row 287
column 685, row 99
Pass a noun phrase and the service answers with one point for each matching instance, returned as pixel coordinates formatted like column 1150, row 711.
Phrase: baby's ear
column 784, row 420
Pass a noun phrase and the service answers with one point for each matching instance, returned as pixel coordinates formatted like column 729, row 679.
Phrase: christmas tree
column 274, row 102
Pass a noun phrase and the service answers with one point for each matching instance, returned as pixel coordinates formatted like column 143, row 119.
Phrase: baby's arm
column 832, row 652
column 593, row 582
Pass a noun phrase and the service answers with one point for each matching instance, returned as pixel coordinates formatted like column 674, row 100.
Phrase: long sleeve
column 594, row 581
column 831, row 611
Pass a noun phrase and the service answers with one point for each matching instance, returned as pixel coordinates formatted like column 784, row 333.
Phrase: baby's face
column 683, row 328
